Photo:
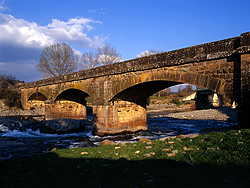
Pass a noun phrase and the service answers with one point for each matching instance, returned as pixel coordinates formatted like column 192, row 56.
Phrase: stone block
column 64, row 109
column 115, row 119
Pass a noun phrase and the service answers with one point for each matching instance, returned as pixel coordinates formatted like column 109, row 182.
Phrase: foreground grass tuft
column 213, row 160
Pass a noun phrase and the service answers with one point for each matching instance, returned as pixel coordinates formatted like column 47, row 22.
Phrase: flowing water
column 23, row 138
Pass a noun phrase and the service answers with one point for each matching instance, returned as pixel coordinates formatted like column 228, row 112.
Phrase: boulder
column 144, row 140
column 107, row 142
column 63, row 125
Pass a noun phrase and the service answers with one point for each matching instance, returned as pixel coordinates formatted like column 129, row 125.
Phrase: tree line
column 60, row 59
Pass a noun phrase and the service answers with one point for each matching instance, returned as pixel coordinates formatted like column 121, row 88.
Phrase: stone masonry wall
column 64, row 109
column 214, row 50
column 119, row 118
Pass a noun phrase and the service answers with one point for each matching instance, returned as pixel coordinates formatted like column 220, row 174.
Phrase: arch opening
column 37, row 96
column 36, row 101
column 74, row 95
column 69, row 104
column 139, row 93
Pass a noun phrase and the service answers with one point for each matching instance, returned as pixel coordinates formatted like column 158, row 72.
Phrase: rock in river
column 63, row 125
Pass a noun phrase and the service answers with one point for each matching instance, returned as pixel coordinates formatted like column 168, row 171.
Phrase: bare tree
column 104, row 56
column 188, row 88
column 89, row 60
column 164, row 92
column 167, row 91
column 57, row 60
column 179, row 89
column 107, row 55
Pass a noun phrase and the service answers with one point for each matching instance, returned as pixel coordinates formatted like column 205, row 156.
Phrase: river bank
column 17, row 141
column 211, row 160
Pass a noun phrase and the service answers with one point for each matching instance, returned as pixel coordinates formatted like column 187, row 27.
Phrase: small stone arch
column 36, row 100
column 37, row 96
column 72, row 94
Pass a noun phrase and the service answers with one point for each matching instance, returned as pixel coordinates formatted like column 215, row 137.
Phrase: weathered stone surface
column 65, row 109
column 107, row 142
column 113, row 119
column 144, row 140
column 215, row 66
column 62, row 125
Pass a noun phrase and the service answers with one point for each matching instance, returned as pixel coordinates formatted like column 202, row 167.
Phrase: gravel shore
column 219, row 114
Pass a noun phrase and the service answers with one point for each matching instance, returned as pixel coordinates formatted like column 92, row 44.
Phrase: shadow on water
column 50, row 170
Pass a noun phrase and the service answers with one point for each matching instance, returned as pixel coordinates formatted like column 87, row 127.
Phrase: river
column 17, row 139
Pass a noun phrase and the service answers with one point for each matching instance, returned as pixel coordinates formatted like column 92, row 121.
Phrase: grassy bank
column 213, row 160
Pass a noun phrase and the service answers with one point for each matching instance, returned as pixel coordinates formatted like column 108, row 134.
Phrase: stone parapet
column 208, row 51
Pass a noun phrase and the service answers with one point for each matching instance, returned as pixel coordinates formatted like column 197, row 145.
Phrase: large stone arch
column 161, row 78
column 140, row 92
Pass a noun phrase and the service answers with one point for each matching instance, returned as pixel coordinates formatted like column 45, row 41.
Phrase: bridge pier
column 64, row 109
column 119, row 117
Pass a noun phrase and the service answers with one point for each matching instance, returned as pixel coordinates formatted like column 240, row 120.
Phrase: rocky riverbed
column 218, row 114
column 16, row 140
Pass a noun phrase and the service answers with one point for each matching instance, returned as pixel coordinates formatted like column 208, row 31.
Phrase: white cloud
column 29, row 34
column 74, row 31
column 3, row 7
column 18, row 32
column 22, row 41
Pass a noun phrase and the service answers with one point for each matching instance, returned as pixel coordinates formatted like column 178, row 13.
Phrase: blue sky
column 132, row 27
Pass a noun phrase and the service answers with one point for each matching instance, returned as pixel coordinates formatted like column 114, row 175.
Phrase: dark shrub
column 12, row 98
column 176, row 101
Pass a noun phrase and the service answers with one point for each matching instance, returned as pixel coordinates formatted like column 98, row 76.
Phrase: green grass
column 213, row 160
column 159, row 98
column 89, row 100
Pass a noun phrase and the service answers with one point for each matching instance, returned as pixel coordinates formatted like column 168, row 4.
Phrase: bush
column 12, row 99
column 176, row 101
column 10, row 79
column 89, row 100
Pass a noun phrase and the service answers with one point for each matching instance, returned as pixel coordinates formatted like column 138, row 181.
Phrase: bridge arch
column 36, row 100
column 151, row 81
column 140, row 92
column 72, row 94
column 37, row 96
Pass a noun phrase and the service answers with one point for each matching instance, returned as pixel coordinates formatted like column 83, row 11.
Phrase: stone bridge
column 120, row 90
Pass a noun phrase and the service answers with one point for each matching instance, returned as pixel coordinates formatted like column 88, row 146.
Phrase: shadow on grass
column 50, row 170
